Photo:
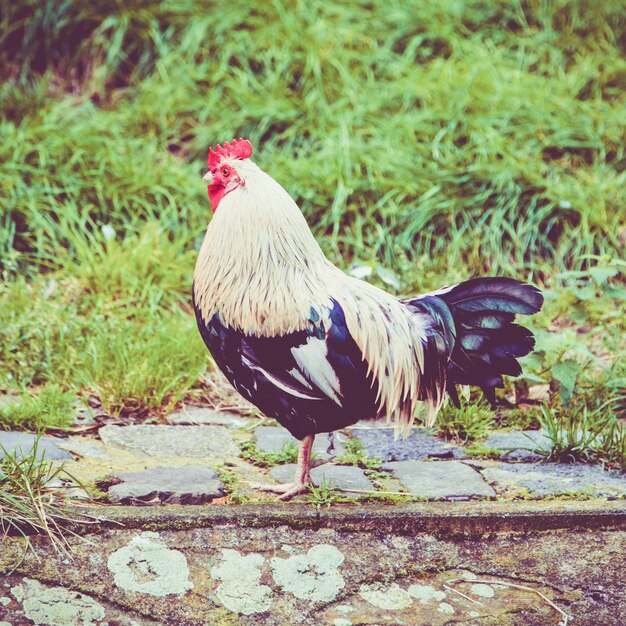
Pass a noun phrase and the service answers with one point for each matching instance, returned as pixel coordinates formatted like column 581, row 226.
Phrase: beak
column 208, row 177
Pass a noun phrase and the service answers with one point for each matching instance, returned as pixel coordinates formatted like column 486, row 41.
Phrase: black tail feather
column 488, row 343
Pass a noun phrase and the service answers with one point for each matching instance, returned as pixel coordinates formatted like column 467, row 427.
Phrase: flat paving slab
column 186, row 484
column 380, row 443
column 154, row 440
column 196, row 415
column 520, row 445
column 449, row 480
column 273, row 439
column 22, row 444
column 553, row 479
column 333, row 476
column 85, row 447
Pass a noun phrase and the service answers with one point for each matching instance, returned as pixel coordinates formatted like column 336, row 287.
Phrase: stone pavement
column 494, row 534
column 200, row 455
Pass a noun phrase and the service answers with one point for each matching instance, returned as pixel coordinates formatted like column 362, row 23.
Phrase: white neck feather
column 260, row 266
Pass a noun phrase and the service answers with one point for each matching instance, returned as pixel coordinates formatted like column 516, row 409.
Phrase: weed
column 375, row 474
column 518, row 419
column 321, row 495
column 581, row 435
column 467, row 423
column 324, row 495
column 29, row 503
column 230, row 481
column 392, row 498
column 287, row 454
column 354, row 454
column 481, row 451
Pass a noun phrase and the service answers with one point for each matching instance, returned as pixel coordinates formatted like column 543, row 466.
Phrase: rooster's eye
column 225, row 171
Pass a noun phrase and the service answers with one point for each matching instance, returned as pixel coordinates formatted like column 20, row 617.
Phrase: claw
column 296, row 489
column 272, row 488
column 287, row 490
column 302, row 480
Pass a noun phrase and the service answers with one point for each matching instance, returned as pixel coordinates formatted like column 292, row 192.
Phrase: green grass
column 30, row 502
column 355, row 454
column 50, row 407
column 585, row 436
column 430, row 141
column 469, row 422
column 287, row 454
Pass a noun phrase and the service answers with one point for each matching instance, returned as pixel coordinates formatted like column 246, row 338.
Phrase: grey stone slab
column 380, row 443
column 85, row 447
column 552, row 479
column 520, row 445
column 371, row 424
column 187, row 484
column 23, row 443
column 451, row 480
column 273, row 438
column 336, row 476
column 196, row 415
column 179, row 441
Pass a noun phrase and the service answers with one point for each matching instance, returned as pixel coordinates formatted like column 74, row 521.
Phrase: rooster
column 317, row 349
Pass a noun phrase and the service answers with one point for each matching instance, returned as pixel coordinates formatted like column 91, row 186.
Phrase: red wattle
column 216, row 193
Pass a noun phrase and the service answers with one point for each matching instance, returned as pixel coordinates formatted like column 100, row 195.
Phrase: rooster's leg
column 302, row 479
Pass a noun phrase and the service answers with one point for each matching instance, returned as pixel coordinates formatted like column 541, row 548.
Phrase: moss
column 355, row 454
column 287, row 454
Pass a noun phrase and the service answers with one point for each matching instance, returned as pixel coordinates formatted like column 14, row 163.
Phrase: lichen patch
column 312, row 576
column 426, row 593
column 57, row 606
column 147, row 565
column 391, row 598
column 482, row 590
column 240, row 589
column 444, row 607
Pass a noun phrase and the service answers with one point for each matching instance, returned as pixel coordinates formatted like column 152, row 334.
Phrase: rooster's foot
column 302, row 480
column 287, row 490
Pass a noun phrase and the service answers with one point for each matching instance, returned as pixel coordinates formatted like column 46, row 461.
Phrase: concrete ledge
column 416, row 563
column 438, row 519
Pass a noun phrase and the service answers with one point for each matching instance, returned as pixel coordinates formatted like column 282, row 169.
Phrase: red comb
column 237, row 148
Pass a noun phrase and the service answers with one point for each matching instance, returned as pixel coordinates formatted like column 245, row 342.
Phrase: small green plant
column 582, row 435
column 321, row 495
column 388, row 497
column 613, row 444
column 376, row 474
column 231, row 482
column 287, row 454
column 518, row 419
column 480, row 451
column 467, row 423
column 29, row 503
column 355, row 454
column 324, row 495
